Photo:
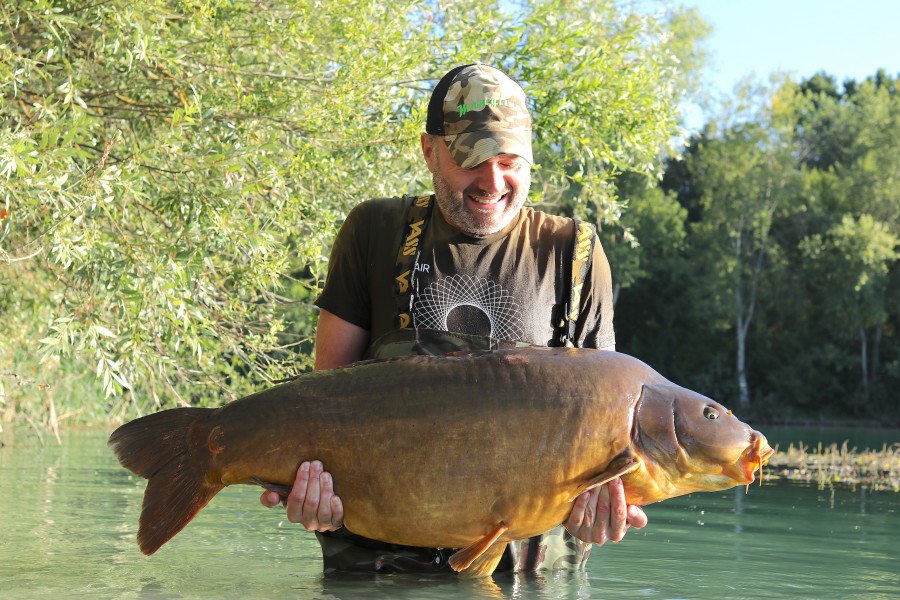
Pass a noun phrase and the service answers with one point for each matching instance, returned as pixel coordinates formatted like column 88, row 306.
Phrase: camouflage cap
column 480, row 112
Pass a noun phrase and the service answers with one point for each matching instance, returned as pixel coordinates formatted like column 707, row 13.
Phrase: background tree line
column 767, row 270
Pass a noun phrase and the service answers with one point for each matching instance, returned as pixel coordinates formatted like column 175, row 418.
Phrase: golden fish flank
column 469, row 451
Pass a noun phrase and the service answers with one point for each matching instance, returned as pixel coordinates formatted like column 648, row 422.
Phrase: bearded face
column 481, row 200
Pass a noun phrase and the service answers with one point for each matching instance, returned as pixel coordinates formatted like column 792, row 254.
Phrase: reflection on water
column 68, row 517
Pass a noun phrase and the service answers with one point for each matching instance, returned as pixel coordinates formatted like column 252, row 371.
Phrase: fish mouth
column 755, row 456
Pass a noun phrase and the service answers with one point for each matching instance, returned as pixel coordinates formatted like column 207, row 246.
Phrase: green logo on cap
column 484, row 102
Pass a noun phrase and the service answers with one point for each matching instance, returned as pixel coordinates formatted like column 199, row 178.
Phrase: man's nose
column 490, row 178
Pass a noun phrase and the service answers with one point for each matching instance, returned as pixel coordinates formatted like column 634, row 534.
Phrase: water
column 68, row 517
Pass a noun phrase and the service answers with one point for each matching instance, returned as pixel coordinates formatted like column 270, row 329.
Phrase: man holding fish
column 479, row 266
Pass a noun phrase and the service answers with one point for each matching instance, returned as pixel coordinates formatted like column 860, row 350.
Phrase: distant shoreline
column 814, row 422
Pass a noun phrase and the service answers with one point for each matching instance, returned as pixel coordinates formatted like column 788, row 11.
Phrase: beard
column 469, row 221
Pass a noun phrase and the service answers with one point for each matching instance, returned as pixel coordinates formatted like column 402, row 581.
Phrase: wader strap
column 582, row 253
column 418, row 213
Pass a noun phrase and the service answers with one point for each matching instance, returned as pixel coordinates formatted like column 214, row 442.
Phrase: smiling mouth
column 487, row 200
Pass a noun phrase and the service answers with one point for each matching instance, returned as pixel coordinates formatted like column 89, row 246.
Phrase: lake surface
column 68, row 518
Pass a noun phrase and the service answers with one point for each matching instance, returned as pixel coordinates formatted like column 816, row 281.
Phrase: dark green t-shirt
column 512, row 285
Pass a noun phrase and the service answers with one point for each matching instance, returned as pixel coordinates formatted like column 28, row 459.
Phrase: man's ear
column 428, row 151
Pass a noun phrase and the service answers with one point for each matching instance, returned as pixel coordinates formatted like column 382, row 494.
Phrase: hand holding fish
column 312, row 501
column 601, row 514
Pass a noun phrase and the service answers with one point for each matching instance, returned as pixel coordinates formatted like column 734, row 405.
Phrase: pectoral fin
column 481, row 558
column 615, row 471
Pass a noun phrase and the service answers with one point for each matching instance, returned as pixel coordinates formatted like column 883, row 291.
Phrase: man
column 478, row 263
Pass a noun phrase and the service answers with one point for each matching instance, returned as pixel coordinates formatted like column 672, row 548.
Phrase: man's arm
column 338, row 342
column 601, row 514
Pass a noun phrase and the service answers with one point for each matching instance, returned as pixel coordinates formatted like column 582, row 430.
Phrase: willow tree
column 174, row 171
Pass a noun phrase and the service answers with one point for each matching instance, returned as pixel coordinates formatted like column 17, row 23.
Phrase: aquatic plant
column 832, row 465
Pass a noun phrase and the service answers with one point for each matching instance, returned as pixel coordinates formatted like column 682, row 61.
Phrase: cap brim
column 473, row 148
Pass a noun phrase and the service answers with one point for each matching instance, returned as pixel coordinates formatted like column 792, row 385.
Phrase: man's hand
column 312, row 501
column 601, row 515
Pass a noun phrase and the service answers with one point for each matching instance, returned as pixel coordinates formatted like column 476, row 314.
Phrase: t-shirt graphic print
column 472, row 304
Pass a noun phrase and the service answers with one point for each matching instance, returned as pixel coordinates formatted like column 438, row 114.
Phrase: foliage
column 792, row 221
column 174, row 170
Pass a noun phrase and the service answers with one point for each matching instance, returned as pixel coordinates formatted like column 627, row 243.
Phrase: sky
column 848, row 39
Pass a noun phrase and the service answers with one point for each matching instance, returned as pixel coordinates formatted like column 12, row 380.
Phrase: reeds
column 827, row 466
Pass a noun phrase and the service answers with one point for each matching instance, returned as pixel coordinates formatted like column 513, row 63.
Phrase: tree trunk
column 743, row 388
column 863, row 359
column 874, row 370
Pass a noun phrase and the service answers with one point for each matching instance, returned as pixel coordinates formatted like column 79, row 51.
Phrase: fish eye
column 710, row 413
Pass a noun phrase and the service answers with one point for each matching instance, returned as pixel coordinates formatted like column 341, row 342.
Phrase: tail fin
column 158, row 448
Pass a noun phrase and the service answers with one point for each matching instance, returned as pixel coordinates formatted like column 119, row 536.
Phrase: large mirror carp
column 470, row 450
